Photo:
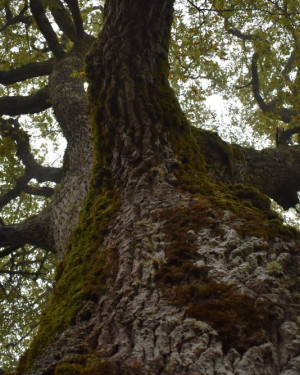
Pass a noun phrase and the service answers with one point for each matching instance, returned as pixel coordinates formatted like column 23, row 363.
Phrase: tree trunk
column 168, row 271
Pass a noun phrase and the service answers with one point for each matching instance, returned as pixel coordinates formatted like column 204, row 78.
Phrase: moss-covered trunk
column 168, row 272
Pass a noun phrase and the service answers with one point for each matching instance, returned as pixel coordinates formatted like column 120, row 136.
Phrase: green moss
column 240, row 321
column 191, row 170
column 82, row 274
column 215, row 149
column 86, row 365
column 250, row 194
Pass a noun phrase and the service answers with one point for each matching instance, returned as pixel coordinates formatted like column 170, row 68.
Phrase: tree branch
column 218, row 10
column 255, row 86
column 41, row 191
column 241, row 9
column 19, row 105
column 63, row 20
column 45, row 27
column 37, row 69
column 10, row 128
column 74, row 8
column 286, row 115
column 8, row 251
column 288, row 66
column 14, row 192
column 20, row 18
column 33, row 231
column 285, row 135
column 239, row 34
column 41, row 174
column 275, row 172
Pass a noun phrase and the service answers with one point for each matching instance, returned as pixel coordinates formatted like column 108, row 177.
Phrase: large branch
column 33, row 231
column 275, row 172
column 37, row 69
column 41, row 191
column 75, row 10
column 19, row 105
column 63, row 19
column 45, row 27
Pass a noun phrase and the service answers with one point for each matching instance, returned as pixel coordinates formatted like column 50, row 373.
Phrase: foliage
column 245, row 51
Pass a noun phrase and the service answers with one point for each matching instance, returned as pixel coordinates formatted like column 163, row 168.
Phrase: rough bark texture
column 275, row 172
column 199, row 278
column 70, row 106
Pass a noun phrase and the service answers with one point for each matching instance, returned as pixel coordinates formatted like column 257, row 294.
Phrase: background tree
column 167, row 264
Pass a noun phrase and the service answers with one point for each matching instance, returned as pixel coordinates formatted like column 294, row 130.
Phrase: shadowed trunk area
column 168, row 272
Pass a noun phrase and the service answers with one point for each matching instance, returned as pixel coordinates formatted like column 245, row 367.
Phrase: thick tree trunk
column 167, row 272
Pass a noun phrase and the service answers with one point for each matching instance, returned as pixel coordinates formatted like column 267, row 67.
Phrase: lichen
column 240, row 320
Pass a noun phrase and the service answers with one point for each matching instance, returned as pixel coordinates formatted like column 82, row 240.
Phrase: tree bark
column 168, row 272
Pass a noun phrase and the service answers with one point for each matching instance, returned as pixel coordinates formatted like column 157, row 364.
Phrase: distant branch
column 21, row 273
column 37, row 69
column 244, row 86
column 33, row 170
column 216, row 10
column 241, row 9
column 239, row 34
column 288, row 66
column 11, row 128
column 8, row 251
column 27, row 334
column 11, row 20
column 286, row 115
column 14, row 192
column 45, row 27
column 22, row 184
column 19, row 105
column 255, row 85
column 285, row 135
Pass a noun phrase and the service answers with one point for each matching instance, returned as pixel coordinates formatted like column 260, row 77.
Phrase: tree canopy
column 246, row 52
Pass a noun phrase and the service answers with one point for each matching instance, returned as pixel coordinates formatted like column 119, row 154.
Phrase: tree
column 171, row 259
